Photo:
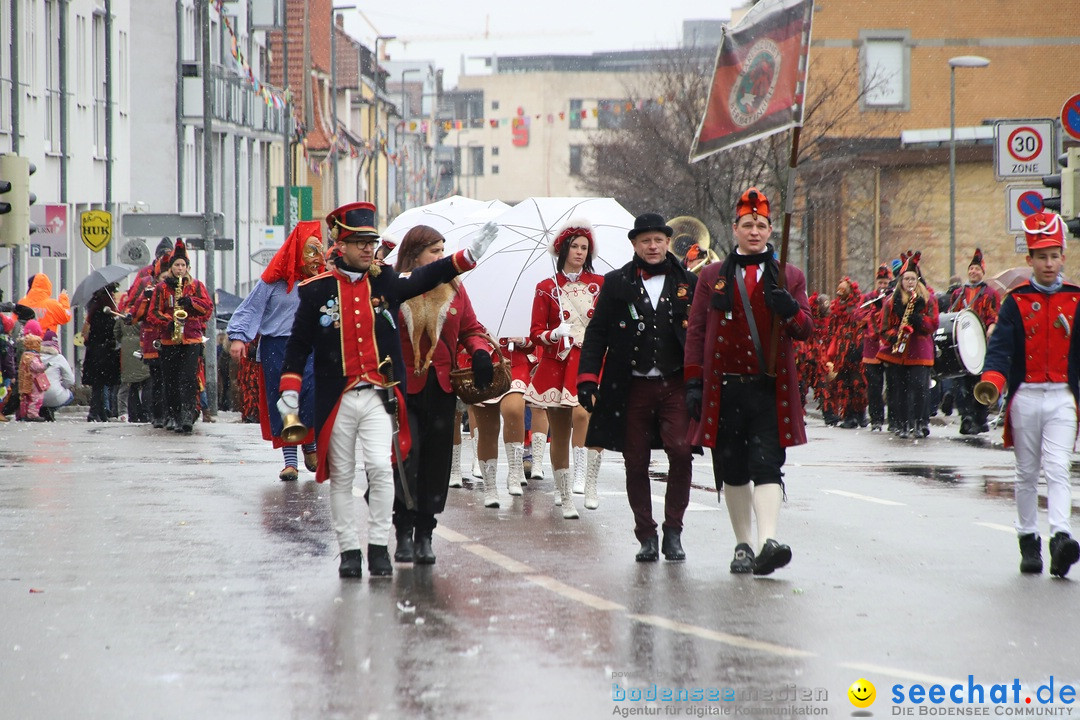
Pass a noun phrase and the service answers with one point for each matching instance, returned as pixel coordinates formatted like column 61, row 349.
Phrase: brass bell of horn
column 293, row 431
column 688, row 230
column 985, row 392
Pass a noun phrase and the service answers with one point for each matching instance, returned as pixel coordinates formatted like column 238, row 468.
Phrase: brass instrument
column 873, row 300
column 123, row 316
column 985, row 392
column 902, row 337
column 179, row 314
column 688, row 232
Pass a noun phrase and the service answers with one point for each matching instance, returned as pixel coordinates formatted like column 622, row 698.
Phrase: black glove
column 482, row 369
column 694, row 396
column 171, row 281
column 783, row 304
column 586, row 395
column 184, row 302
column 920, row 305
column 148, row 292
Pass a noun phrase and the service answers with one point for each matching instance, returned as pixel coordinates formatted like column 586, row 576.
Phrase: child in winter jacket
column 32, row 379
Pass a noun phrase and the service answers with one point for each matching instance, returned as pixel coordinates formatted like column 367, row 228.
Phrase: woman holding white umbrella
column 562, row 308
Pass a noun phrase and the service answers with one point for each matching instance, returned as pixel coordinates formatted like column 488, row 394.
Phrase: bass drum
column 959, row 345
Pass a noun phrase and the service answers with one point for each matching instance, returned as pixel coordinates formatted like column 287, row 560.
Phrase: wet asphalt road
column 148, row 575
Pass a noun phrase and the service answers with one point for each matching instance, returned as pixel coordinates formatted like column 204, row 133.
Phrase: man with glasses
column 348, row 318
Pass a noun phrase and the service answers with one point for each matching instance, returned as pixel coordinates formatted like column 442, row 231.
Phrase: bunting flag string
column 612, row 107
column 273, row 97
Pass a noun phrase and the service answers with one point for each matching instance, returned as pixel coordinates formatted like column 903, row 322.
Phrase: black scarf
column 647, row 270
column 723, row 298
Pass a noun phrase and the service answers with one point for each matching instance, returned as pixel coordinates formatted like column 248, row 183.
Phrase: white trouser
column 1042, row 417
column 361, row 419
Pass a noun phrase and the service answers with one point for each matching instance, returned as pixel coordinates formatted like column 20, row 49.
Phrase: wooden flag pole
column 781, row 280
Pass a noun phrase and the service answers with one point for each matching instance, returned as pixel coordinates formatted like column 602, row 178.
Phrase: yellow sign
column 96, row 229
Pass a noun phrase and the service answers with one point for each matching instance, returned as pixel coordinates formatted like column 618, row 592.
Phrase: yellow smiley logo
column 862, row 693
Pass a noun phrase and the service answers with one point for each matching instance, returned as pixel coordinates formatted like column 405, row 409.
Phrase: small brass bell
column 294, row 431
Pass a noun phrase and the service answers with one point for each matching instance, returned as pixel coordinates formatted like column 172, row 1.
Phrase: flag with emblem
column 759, row 80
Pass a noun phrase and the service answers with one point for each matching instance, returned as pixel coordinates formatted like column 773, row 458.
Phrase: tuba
column 179, row 314
column 690, row 242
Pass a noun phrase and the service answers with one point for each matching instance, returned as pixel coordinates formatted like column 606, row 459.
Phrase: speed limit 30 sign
column 1023, row 148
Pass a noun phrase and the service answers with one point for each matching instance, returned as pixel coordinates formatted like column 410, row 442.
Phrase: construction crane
column 486, row 34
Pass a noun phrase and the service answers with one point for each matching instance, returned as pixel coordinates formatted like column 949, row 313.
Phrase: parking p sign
column 1023, row 148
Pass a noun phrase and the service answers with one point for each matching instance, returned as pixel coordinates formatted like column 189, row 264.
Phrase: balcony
column 235, row 102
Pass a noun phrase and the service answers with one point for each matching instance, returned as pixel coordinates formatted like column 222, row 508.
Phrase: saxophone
column 179, row 314
column 900, row 345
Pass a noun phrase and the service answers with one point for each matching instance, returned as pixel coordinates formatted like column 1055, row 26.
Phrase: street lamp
column 963, row 61
column 333, row 92
column 375, row 121
column 404, row 119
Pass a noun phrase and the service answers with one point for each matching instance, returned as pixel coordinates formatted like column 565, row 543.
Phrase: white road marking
column 492, row 556
column 449, row 535
column 572, row 593
column 870, row 668
column 857, row 496
column 995, row 526
column 725, row 638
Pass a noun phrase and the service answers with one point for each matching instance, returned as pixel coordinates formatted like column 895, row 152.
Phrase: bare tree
column 644, row 163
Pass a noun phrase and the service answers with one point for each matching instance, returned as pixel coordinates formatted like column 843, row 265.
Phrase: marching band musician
column 181, row 338
column 348, row 317
column 268, row 312
column 908, row 321
column 729, row 394
column 872, row 367
column 137, row 302
column 1036, row 355
column 982, row 300
column 843, row 358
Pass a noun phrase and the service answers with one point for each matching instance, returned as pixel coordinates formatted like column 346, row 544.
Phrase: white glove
column 288, row 403
column 483, row 241
column 563, row 331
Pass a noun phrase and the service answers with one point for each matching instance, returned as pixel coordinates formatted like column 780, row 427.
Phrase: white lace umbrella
column 503, row 284
column 441, row 215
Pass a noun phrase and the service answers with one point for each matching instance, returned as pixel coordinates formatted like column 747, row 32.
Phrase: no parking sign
column 1023, row 200
column 1070, row 117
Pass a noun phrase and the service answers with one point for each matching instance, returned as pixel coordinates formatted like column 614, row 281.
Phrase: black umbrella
column 98, row 279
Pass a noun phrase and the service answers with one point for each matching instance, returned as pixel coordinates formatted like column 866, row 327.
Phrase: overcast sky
column 525, row 27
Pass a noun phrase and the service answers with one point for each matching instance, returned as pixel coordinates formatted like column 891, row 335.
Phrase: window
column 52, row 77
column 612, row 114
column 82, row 91
column 122, row 74
column 98, row 61
column 885, row 72
column 494, row 169
column 494, row 151
column 575, row 159
column 575, row 114
column 476, row 160
column 494, row 104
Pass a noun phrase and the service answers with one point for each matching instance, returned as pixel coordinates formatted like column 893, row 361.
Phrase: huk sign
column 96, row 229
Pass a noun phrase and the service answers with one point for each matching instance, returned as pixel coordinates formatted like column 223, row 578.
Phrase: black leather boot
column 379, row 561
column 672, row 545
column 1031, row 554
column 1064, row 551
column 650, row 550
column 404, row 552
column 352, row 564
column 424, row 554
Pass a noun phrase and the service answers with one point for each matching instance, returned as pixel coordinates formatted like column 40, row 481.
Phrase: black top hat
column 649, row 222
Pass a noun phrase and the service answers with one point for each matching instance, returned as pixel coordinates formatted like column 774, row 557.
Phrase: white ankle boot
column 455, row 467
column 476, row 471
column 592, row 474
column 562, row 482
column 514, row 454
column 579, row 470
column 490, row 469
column 539, row 449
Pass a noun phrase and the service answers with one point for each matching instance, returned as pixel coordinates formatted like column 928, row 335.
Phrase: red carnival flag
column 760, row 78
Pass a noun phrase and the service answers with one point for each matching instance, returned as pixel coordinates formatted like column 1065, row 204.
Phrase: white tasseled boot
column 562, row 483
column 476, row 471
column 592, row 474
column 514, row 454
column 580, row 460
column 539, row 449
column 490, row 469
column 455, row 467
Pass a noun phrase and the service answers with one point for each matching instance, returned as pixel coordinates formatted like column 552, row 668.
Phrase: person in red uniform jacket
column 1035, row 353
column 982, row 300
column 843, row 357
column 432, row 327
column 870, row 322
column 728, row 391
column 348, row 317
column 908, row 321
column 181, row 347
column 138, row 304
column 562, row 308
